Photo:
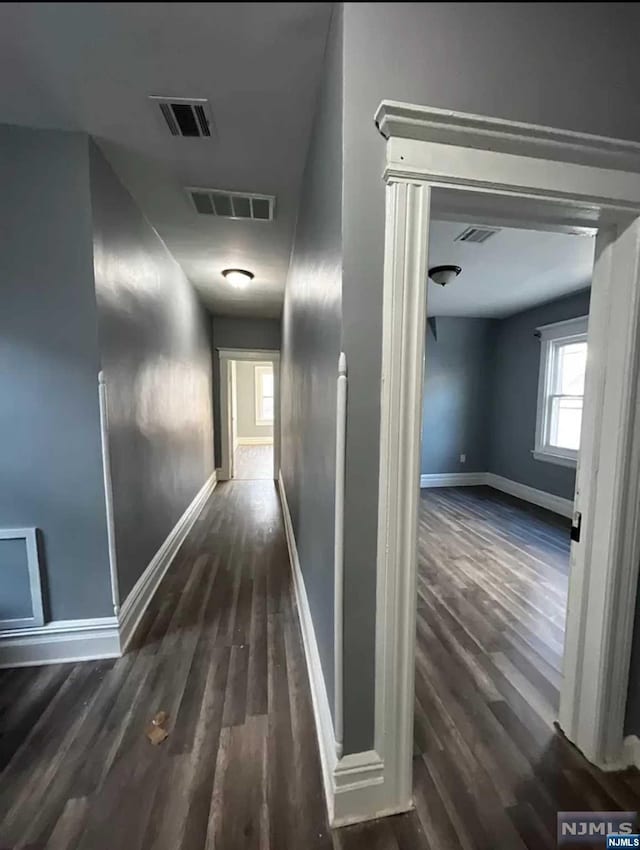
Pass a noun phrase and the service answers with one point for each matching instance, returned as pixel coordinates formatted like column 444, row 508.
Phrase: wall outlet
column 463, row 458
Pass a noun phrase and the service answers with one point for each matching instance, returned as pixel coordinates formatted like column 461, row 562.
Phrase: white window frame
column 572, row 330
column 259, row 370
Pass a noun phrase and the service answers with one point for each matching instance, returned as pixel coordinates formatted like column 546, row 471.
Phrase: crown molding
column 427, row 123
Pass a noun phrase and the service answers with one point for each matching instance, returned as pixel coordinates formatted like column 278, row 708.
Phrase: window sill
column 559, row 460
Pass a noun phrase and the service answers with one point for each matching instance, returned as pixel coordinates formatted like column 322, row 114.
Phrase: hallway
column 219, row 650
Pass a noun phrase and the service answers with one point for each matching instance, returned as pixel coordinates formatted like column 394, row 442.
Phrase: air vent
column 188, row 117
column 478, row 235
column 234, row 205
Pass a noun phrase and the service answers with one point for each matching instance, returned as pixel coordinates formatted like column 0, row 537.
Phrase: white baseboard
column 141, row 594
column 61, row 641
column 629, row 756
column 254, row 441
column 101, row 637
column 354, row 784
column 453, row 479
column 557, row 504
column 321, row 710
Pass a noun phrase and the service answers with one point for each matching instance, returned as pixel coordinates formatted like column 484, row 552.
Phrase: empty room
column 505, row 363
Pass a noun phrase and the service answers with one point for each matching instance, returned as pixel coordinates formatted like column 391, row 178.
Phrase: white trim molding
column 551, row 502
column 430, row 153
column 338, row 551
column 452, row 479
column 61, row 641
column 630, row 754
column 319, row 698
column 103, row 402
column 354, row 784
column 424, row 146
column 402, row 385
column 143, row 590
column 551, row 457
column 254, row 441
column 431, row 124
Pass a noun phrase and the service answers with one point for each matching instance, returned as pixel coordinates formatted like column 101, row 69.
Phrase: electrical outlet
column 463, row 458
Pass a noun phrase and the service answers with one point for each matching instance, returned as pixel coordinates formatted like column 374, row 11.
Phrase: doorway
column 249, row 407
column 252, row 408
column 506, row 343
column 438, row 161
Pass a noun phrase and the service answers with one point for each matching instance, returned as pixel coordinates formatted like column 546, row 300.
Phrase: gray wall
column 457, row 395
column 246, row 402
column 481, row 393
column 310, row 350
column 516, row 363
column 50, row 462
column 540, row 63
column 155, row 343
column 243, row 334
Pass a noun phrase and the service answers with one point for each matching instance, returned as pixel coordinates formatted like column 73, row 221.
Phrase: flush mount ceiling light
column 238, row 278
column 443, row 275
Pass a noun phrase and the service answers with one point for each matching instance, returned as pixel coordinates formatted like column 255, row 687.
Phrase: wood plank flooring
column 490, row 770
column 220, row 651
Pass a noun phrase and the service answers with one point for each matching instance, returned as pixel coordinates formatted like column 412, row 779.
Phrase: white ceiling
column 513, row 270
column 91, row 67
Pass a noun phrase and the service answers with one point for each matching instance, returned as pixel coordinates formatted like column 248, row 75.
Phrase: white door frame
column 227, row 355
column 429, row 150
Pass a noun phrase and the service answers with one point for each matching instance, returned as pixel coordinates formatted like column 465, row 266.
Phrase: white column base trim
column 354, row 785
column 453, row 479
column 557, row 504
column 141, row 594
column 630, row 754
column 61, row 641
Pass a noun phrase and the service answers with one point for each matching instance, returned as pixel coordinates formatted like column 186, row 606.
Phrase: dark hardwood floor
column 220, row 651
column 490, row 771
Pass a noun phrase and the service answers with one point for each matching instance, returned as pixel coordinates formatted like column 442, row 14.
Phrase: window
column 264, row 395
column 563, row 363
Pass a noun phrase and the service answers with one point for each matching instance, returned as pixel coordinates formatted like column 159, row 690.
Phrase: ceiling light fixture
column 238, row 278
column 443, row 275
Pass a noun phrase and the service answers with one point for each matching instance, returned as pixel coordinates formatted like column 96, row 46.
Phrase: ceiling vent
column 183, row 116
column 234, row 205
column 477, row 235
